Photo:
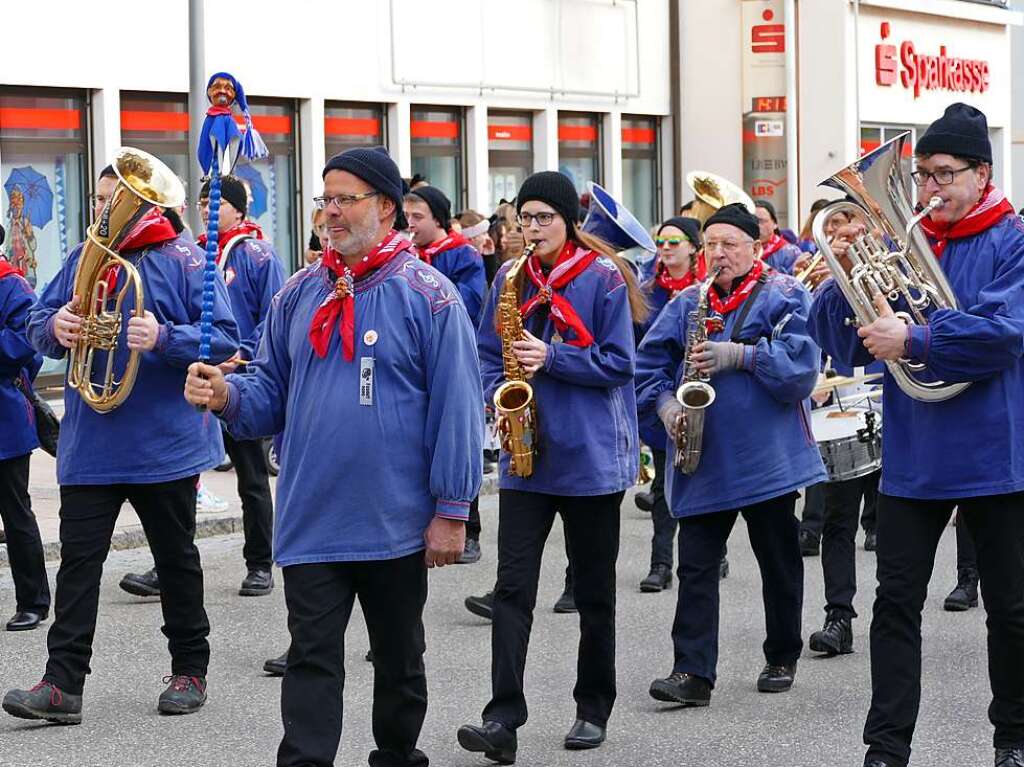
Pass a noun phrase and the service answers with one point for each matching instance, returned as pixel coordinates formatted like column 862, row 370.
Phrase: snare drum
column 850, row 440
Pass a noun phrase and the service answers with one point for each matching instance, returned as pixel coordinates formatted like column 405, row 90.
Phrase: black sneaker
column 257, row 583
column 1010, row 757
column 870, row 540
column 810, row 544
column 686, row 689
column 276, row 666
column 776, row 678
column 44, row 701
column 482, row 606
column 565, row 603
column 658, row 579
column 835, row 638
column 723, row 569
column 184, row 694
column 965, row 595
column 145, row 585
column 470, row 553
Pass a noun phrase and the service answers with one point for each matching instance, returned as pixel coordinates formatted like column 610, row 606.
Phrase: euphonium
column 892, row 259
column 514, row 403
column 695, row 394
column 143, row 183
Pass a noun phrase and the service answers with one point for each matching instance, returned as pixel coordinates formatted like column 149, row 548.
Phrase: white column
column 545, row 139
column 612, row 150
column 477, row 165
column 312, row 150
column 669, row 205
column 399, row 136
column 106, row 126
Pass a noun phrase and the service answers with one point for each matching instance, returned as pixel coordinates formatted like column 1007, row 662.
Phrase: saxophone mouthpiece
column 935, row 203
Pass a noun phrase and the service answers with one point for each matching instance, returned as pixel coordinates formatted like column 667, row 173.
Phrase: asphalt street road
column 818, row 722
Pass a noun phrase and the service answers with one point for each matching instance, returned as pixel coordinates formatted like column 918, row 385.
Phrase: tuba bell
column 712, row 192
column 143, row 183
column 892, row 259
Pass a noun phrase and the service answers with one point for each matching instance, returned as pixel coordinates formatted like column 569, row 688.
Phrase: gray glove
column 716, row 356
column 670, row 414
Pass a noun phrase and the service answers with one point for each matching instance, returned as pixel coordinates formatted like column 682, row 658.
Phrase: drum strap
column 744, row 311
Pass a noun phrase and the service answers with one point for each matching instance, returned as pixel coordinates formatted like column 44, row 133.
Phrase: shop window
column 641, row 181
column 438, row 150
column 349, row 125
column 509, row 154
column 158, row 123
column 579, row 148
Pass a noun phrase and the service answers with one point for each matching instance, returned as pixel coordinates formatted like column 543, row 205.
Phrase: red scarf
column 223, row 238
column 987, row 212
column 670, row 284
column 701, row 266
column 572, row 261
column 738, row 296
column 452, row 240
column 341, row 302
column 7, row 268
column 776, row 243
column 152, row 229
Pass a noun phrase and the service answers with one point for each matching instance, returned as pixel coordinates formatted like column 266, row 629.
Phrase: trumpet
column 804, row 275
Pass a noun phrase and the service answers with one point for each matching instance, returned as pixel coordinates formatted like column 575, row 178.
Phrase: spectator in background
column 477, row 230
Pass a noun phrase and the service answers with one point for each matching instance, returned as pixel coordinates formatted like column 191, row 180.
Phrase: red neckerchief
column 776, row 243
column 738, row 296
column 6, row 267
column 701, row 266
column 452, row 240
column 223, row 238
column 670, row 284
column 152, row 229
column 572, row 261
column 987, row 212
column 341, row 303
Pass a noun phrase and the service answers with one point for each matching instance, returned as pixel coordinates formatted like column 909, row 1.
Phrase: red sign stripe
column 510, row 132
column 638, row 135
column 269, row 123
column 138, row 120
column 430, row 129
column 40, row 119
column 351, row 126
column 577, row 133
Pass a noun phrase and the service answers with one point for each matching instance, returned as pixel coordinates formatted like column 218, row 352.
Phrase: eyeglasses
column 98, row 199
column 727, row 246
column 542, row 219
column 943, row 177
column 341, row 201
column 672, row 242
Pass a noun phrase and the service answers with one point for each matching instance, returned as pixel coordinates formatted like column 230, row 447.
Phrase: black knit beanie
column 962, row 131
column 232, row 190
column 555, row 189
column 376, row 168
column 688, row 226
column 440, row 206
column 736, row 214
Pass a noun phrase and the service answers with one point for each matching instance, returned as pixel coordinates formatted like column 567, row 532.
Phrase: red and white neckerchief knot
column 572, row 261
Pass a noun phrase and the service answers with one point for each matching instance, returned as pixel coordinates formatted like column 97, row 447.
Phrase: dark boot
column 723, row 569
column 583, row 735
column 776, row 678
column 44, row 701
column 644, row 501
column 870, row 540
column 26, row 620
column 145, row 585
column 965, row 595
column 686, row 689
column 1010, row 757
column 470, row 554
column 835, row 637
column 567, row 602
column 257, row 583
column 184, row 695
column 3, row 536
column 810, row 544
column 496, row 741
column 482, row 606
column 658, row 579
column 276, row 666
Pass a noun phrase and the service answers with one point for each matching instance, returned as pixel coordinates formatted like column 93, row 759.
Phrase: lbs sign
column 919, row 71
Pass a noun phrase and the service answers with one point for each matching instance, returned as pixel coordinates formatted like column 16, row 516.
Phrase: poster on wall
column 30, row 207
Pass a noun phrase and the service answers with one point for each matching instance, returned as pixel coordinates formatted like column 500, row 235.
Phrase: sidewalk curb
column 207, row 526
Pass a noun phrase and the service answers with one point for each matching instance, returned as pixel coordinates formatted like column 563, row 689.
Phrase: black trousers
column 257, row 505
column 24, row 545
column 473, row 523
column 167, row 511
column 320, row 597
column 813, row 517
column 966, row 553
column 662, row 543
column 774, row 534
column 908, row 534
column 591, row 526
column 839, row 539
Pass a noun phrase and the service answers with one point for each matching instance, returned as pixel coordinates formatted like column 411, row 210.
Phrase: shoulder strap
column 230, row 246
column 745, row 310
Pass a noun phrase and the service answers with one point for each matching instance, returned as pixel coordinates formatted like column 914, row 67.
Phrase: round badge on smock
column 370, row 337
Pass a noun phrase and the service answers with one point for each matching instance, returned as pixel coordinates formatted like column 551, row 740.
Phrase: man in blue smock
column 368, row 364
column 961, row 452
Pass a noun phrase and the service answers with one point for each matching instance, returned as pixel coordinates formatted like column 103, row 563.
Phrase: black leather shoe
column 44, row 701
column 470, row 553
column 687, row 689
column 496, row 741
column 644, row 501
column 145, row 585
column 566, row 603
column 3, row 537
column 965, row 595
column 583, row 735
column 810, row 544
column 870, row 540
column 836, row 637
column 658, row 579
column 482, row 606
column 25, row 620
column 257, row 583
column 276, row 666
column 1010, row 757
column 184, row 695
column 776, row 678
column 723, row 569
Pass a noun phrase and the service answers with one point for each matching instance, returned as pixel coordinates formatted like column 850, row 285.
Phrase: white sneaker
column 208, row 503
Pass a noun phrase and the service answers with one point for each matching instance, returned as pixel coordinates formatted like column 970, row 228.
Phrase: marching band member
column 780, row 254
column 756, row 452
column 149, row 452
column 253, row 275
column 578, row 304
column 368, row 364
column 18, row 360
column 964, row 451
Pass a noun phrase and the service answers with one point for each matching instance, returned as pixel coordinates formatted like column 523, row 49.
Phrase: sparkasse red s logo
column 922, row 72
column 885, row 59
column 768, row 38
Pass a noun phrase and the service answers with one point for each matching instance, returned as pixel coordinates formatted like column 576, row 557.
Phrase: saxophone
column 695, row 394
column 514, row 403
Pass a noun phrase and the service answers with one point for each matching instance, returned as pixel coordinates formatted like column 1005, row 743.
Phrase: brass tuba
column 514, row 402
column 892, row 259
column 143, row 182
column 712, row 192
